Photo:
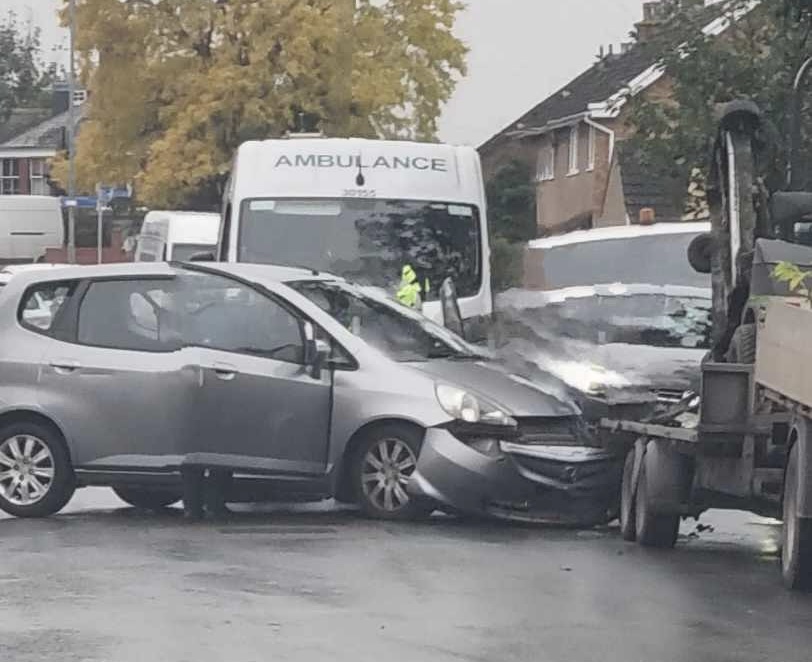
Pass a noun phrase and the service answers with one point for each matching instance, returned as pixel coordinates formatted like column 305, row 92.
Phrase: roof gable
column 596, row 84
column 611, row 80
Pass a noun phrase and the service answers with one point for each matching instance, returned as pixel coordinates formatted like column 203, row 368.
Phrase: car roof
column 34, row 266
column 270, row 272
column 620, row 232
column 261, row 273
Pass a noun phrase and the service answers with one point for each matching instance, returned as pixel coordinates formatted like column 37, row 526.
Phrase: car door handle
column 225, row 371
column 65, row 366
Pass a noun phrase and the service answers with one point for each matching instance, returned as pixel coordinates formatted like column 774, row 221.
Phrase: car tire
column 628, row 492
column 743, row 345
column 147, row 499
column 796, row 552
column 653, row 530
column 382, row 463
column 33, row 456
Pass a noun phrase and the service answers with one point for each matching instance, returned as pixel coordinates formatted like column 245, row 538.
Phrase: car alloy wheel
column 27, row 469
column 385, row 473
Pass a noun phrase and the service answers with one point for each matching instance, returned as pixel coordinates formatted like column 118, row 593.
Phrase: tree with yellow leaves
column 177, row 85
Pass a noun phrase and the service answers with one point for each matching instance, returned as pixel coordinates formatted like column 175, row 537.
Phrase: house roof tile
column 48, row 133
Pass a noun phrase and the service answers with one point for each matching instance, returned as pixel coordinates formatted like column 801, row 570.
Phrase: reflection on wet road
column 105, row 582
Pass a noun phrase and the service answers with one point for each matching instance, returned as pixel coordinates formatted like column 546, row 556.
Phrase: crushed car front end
column 543, row 470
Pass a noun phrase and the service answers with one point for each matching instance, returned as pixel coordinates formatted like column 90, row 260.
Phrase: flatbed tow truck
column 745, row 441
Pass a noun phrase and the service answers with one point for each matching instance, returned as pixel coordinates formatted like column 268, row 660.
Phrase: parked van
column 28, row 225
column 363, row 209
column 176, row 236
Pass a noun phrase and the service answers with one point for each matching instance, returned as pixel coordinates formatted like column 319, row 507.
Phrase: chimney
column 626, row 46
column 649, row 27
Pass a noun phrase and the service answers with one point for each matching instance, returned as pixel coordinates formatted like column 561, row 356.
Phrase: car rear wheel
column 385, row 460
column 36, row 477
column 628, row 525
column 147, row 499
column 796, row 552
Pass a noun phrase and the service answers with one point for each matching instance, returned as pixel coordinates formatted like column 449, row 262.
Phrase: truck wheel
column 662, row 485
column 700, row 251
column 653, row 530
column 628, row 526
column 796, row 554
column 743, row 345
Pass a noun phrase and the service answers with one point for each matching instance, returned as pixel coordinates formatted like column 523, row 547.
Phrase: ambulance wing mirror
column 452, row 317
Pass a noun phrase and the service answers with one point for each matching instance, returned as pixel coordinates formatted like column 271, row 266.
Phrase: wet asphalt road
column 103, row 582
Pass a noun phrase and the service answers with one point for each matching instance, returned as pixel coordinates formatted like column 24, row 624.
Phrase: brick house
column 29, row 138
column 575, row 141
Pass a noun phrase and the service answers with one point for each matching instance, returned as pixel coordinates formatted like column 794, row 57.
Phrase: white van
column 176, row 235
column 28, row 225
column 363, row 209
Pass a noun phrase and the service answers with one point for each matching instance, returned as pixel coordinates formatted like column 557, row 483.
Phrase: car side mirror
column 317, row 355
column 203, row 256
column 317, row 351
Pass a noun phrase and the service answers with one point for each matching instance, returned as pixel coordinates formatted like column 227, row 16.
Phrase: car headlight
column 466, row 407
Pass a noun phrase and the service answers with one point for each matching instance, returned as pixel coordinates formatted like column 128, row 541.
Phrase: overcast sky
column 521, row 51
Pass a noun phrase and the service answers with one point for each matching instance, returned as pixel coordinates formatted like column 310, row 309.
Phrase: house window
column 573, row 160
column 39, row 184
column 9, row 177
column 591, row 149
column 546, row 164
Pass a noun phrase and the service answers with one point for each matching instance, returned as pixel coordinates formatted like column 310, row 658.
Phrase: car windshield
column 658, row 320
column 367, row 241
column 653, row 259
column 395, row 330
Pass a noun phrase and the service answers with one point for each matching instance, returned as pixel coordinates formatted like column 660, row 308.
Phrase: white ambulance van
column 176, row 236
column 363, row 209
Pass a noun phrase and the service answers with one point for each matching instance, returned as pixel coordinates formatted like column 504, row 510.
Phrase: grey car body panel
column 237, row 420
column 366, row 397
column 115, row 400
column 133, row 414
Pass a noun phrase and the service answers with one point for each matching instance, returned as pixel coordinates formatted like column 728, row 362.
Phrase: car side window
column 137, row 315
column 223, row 314
column 42, row 303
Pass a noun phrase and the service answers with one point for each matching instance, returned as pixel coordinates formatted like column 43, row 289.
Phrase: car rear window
column 42, row 303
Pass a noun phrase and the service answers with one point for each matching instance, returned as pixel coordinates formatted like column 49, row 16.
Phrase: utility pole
column 340, row 95
column 72, row 138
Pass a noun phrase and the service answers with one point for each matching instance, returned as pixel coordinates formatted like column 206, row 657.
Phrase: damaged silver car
column 300, row 384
